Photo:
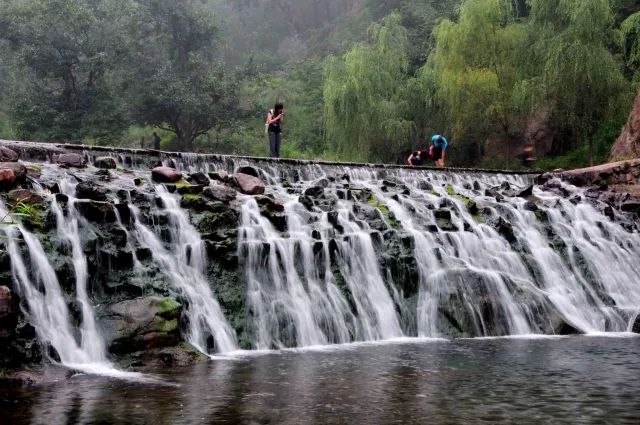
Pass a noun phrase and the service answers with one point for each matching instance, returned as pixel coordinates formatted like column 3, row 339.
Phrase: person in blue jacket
column 438, row 150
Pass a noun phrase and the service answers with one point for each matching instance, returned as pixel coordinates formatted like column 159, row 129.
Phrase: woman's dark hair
column 278, row 107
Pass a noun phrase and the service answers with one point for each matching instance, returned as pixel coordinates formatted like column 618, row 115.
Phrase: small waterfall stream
column 185, row 266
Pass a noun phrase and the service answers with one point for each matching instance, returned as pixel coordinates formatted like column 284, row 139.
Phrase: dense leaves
column 366, row 80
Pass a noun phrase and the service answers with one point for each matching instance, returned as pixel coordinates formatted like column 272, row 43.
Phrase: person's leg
column 278, row 143
column 272, row 144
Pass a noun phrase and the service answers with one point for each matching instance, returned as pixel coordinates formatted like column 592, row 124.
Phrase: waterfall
column 46, row 307
column 185, row 265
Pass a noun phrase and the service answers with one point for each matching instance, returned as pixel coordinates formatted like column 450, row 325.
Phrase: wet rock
column 87, row 190
column 270, row 204
column 472, row 207
column 213, row 221
column 71, row 160
column 199, row 178
column 7, row 179
column 476, row 185
column 306, row 201
column 314, row 191
column 220, row 193
column 19, row 170
column 250, row 171
column 278, row 220
column 106, row 163
column 531, row 206
column 636, row 325
column 443, row 214
column 221, row 176
column 124, row 212
column 493, row 193
column 526, row 192
column 576, row 200
column 166, row 175
column 97, row 212
column 140, row 324
column 249, row 185
column 504, row 228
column 190, row 189
column 632, row 206
column 7, row 312
column 118, row 260
column 8, row 155
column 25, row 196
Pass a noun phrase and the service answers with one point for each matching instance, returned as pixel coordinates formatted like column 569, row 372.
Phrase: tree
column 579, row 76
column 362, row 95
column 61, row 51
column 177, row 80
column 477, row 65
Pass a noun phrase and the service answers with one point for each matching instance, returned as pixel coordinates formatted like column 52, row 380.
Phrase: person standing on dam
column 438, row 150
column 275, row 120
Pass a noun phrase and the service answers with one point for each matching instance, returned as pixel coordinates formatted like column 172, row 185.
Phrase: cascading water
column 185, row 265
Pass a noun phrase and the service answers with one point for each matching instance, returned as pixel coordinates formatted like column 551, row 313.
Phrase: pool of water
column 561, row 380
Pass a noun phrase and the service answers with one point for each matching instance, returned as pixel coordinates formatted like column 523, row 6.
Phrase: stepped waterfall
column 330, row 254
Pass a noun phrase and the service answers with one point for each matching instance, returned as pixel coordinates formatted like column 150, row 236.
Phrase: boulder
column 250, row 171
column 199, row 178
column 7, row 179
column 270, row 204
column 106, row 162
column 166, row 175
column 190, row 189
column 249, row 185
column 87, row 190
column 8, row 155
column 140, row 324
column 221, row 176
column 71, row 160
column 504, row 228
column 314, row 191
column 220, row 193
column 526, row 192
column 97, row 212
column 25, row 196
column 19, row 170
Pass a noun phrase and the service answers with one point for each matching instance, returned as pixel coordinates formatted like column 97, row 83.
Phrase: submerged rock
column 249, row 185
column 166, row 175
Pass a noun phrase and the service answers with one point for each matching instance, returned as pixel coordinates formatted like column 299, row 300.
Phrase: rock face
column 249, row 185
column 8, row 155
column 141, row 324
column 71, row 160
column 166, row 175
column 628, row 144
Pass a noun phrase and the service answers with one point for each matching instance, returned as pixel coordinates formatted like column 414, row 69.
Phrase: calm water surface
column 568, row 380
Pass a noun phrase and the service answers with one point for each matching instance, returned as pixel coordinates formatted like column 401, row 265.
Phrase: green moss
column 190, row 349
column 374, row 202
column 190, row 197
column 182, row 183
column 451, row 191
column 168, row 305
column 166, row 326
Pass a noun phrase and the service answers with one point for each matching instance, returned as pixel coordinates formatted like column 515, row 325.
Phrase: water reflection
column 567, row 380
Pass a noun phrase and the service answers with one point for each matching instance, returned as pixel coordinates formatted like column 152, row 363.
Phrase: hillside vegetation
column 362, row 80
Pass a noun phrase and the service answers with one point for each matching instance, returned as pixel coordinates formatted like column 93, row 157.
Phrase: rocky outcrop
column 140, row 324
column 166, row 175
column 628, row 144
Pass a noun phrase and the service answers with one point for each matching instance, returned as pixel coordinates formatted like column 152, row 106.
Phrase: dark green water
column 569, row 380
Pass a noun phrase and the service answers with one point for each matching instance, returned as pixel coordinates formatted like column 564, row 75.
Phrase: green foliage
column 630, row 43
column 578, row 75
column 362, row 95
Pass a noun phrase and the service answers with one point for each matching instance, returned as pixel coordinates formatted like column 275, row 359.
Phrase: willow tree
column 580, row 77
column 630, row 43
column 477, row 64
column 363, row 96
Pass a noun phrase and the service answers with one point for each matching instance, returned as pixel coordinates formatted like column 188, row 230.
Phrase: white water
column 185, row 265
column 47, row 309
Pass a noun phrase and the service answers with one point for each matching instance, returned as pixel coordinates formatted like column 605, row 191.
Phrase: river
column 582, row 379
